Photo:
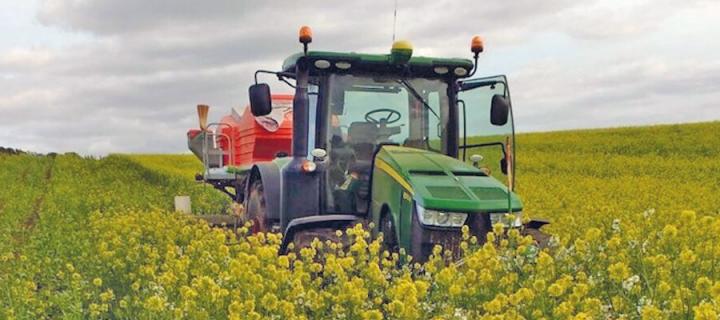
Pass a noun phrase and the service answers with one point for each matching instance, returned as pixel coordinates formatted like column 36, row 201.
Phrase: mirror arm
column 280, row 74
column 262, row 71
column 286, row 82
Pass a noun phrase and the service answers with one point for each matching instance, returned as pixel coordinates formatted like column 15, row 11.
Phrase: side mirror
column 503, row 165
column 499, row 110
column 260, row 102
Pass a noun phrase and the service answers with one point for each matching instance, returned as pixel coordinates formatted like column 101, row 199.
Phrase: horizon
column 188, row 152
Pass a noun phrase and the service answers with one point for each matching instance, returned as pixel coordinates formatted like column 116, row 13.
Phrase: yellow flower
column 688, row 216
column 703, row 284
column 455, row 290
column 544, row 260
column 97, row 282
column 593, row 234
column 687, row 257
column 556, row 290
column 372, row 315
column 715, row 291
column 582, row 316
column 155, row 303
column 705, row 311
column 107, row 295
column 669, row 231
column 650, row 312
column 677, row 306
column 618, row 271
column 664, row 287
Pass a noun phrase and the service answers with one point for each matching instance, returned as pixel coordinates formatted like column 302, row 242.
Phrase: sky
column 98, row 77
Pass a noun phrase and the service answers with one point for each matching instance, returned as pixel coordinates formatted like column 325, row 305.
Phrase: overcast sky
column 124, row 76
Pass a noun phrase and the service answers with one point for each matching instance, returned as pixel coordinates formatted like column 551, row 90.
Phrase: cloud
column 132, row 83
column 612, row 92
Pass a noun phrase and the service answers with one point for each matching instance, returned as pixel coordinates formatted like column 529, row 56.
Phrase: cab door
column 487, row 130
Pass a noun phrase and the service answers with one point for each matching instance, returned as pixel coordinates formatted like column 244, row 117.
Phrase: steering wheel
column 392, row 116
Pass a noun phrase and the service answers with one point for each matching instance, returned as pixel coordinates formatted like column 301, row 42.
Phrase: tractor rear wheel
column 390, row 241
column 541, row 238
column 255, row 209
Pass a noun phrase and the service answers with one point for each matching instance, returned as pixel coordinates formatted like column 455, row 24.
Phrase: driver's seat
column 362, row 138
column 362, row 132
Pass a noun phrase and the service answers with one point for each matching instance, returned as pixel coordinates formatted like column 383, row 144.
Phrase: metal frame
column 214, row 136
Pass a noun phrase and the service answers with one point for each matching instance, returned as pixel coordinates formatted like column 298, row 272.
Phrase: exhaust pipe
column 202, row 110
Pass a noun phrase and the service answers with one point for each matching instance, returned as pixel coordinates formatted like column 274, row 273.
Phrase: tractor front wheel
column 541, row 238
column 390, row 241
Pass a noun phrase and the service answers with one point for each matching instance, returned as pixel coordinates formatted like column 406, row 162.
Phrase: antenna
column 394, row 21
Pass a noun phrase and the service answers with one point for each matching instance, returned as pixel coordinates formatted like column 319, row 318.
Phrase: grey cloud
column 132, row 86
column 613, row 92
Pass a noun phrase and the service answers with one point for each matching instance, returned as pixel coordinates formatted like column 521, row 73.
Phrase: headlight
column 509, row 220
column 431, row 217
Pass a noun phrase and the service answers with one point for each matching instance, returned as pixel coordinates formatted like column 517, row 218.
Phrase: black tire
column 305, row 238
column 390, row 240
column 541, row 238
column 255, row 208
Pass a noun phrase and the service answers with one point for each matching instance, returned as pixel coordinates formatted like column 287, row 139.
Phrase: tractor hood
column 437, row 181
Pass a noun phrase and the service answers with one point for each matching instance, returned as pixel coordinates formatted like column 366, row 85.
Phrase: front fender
column 536, row 223
column 332, row 221
column 269, row 173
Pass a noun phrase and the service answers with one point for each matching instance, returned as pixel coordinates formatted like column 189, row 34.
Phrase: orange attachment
column 476, row 45
column 305, row 34
column 202, row 110
column 250, row 138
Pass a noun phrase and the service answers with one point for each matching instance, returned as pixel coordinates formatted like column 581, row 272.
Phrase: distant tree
column 4, row 150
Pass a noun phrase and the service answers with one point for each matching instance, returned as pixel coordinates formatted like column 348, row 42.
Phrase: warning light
column 476, row 45
column 305, row 35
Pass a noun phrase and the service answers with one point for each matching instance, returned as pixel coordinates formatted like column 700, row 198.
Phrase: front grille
column 454, row 193
column 450, row 239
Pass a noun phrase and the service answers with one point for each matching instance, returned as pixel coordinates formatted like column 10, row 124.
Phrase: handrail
column 487, row 144
column 212, row 134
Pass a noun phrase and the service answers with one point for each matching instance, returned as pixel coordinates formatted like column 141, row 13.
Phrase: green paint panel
column 434, row 184
column 489, row 193
column 445, row 183
column 447, row 192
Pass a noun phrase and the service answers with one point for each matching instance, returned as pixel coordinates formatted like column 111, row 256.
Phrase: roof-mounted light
column 343, row 65
column 305, row 37
column 322, row 64
column 401, row 52
column 476, row 45
column 460, row 72
column 441, row 70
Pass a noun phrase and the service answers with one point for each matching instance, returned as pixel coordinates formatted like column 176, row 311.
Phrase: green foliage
column 104, row 244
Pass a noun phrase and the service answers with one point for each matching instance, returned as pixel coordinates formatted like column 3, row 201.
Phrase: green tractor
column 381, row 138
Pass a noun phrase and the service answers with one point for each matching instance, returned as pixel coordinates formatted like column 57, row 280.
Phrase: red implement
column 254, row 139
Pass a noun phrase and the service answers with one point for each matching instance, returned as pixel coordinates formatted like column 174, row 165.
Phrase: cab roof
column 378, row 63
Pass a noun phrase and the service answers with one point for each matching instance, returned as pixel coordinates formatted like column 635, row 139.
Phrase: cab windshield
column 367, row 111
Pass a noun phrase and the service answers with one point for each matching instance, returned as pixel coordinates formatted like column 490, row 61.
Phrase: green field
column 634, row 211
